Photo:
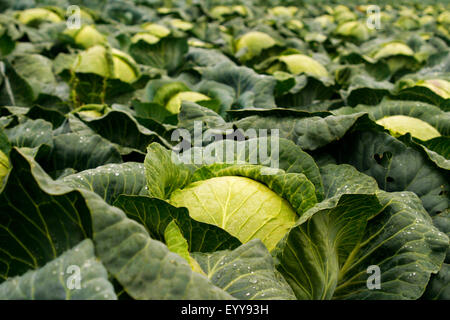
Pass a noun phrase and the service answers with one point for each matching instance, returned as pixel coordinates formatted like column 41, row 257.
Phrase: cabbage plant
column 35, row 16
column 216, row 150
column 108, row 63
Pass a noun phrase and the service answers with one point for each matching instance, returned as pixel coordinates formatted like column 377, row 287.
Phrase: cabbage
column 182, row 25
column 301, row 161
column 4, row 166
column 243, row 207
column 295, row 24
column 444, row 17
column 340, row 8
column 299, row 63
column 86, row 36
column 254, row 42
column 355, row 29
column 145, row 36
column 426, row 20
column 36, row 15
column 91, row 110
column 399, row 125
column 324, row 20
column 408, row 22
column 219, row 11
column 153, row 32
column 393, row 49
column 283, row 11
column 345, row 16
column 176, row 243
column 174, row 104
column 198, row 43
column 239, row 9
column 95, row 60
column 438, row 86
column 124, row 66
column 156, row 29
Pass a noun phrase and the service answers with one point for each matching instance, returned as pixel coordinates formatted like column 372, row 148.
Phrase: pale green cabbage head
column 355, row 29
column 444, row 18
column 295, row 24
column 182, row 25
column 345, row 16
column 254, row 42
column 426, row 20
column 124, row 66
column 438, row 86
column 96, row 60
column 444, row 30
column 283, row 11
column 429, row 10
column 91, row 110
column 219, row 11
column 86, row 37
column 193, row 42
column 399, row 125
column 156, row 29
column 340, row 8
column 240, row 9
column 300, row 63
column 144, row 36
column 90, row 113
column 324, row 20
column 4, row 166
column 245, row 208
column 34, row 15
column 408, row 22
column 152, row 34
column 393, row 49
column 174, row 104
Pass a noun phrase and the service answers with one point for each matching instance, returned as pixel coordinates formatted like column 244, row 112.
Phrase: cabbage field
column 209, row 150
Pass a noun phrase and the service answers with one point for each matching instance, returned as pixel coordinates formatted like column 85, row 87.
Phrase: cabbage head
column 399, row 125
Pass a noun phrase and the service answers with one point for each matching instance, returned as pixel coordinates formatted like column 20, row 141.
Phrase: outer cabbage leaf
column 251, row 89
column 155, row 215
column 247, row 273
column 144, row 267
column 335, row 247
column 51, row 282
column 110, row 180
column 396, row 167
